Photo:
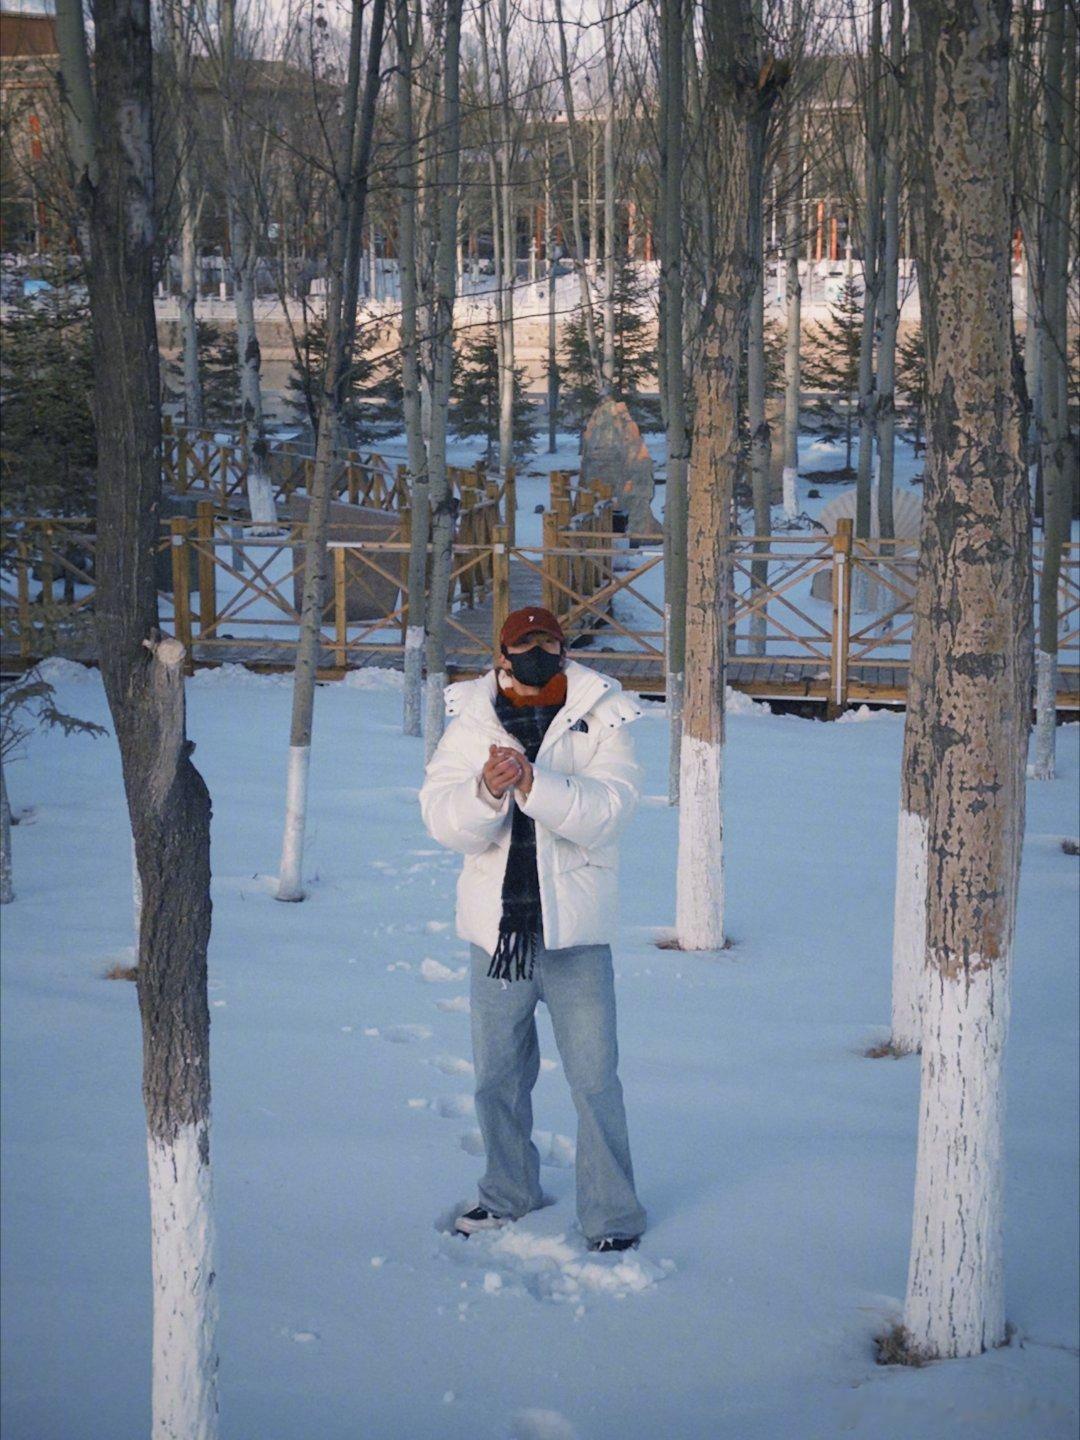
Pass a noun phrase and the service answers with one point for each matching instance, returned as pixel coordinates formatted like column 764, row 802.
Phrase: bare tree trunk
column 552, row 332
column 742, row 86
column 608, row 359
column 575, row 203
column 442, row 500
column 509, row 247
column 410, row 378
column 872, row 284
column 793, row 318
column 976, row 551
column 168, row 803
column 243, row 255
column 1059, row 138
column 178, row 23
column 678, row 439
column 890, row 280
column 760, row 437
column 352, row 173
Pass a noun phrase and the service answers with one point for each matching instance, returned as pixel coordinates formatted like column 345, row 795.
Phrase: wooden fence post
column 841, row 619
column 548, row 561
column 181, row 574
column 468, row 534
column 341, row 610
column 500, row 584
column 204, row 529
column 510, row 504
column 401, row 488
column 23, row 588
column 565, row 568
column 46, row 565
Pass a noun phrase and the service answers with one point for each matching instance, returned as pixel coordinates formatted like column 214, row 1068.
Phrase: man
column 532, row 781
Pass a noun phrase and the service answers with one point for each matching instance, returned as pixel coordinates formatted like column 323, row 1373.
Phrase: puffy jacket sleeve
column 454, row 812
column 589, row 808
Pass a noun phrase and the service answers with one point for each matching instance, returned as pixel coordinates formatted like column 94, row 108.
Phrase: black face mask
column 535, row 666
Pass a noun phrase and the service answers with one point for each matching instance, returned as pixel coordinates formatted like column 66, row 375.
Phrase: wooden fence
column 229, row 595
column 199, row 461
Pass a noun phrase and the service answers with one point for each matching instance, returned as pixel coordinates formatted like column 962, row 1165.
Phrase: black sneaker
column 479, row 1218
column 607, row 1243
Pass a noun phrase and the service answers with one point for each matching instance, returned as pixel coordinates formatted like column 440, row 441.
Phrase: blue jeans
column 578, row 987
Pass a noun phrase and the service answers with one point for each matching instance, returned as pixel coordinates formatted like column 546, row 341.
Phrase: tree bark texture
column 678, row 437
column 875, row 139
column 740, row 89
column 352, row 171
column 890, row 279
column 793, row 318
column 1056, row 445
column 243, row 256
column 442, row 498
column 168, row 803
column 976, row 552
column 420, row 524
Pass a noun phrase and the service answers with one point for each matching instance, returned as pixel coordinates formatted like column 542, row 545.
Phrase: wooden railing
column 228, row 594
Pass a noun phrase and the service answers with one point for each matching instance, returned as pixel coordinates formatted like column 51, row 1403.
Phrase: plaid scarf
column 522, row 920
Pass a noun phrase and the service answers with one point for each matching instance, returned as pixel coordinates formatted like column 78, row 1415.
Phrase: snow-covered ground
column 776, row 1162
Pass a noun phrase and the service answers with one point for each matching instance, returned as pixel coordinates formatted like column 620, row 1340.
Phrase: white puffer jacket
column 585, row 787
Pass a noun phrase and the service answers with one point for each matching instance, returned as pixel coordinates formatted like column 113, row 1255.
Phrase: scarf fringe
column 514, row 957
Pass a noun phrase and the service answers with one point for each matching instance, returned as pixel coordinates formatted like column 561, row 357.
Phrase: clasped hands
column 505, row 769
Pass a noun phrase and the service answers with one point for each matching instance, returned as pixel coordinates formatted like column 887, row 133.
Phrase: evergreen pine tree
column 832, row 364
column 635, row 356
column 911, row 377
column 474, row 395
column 372, row 405
column 219, row 369
column 48, row 451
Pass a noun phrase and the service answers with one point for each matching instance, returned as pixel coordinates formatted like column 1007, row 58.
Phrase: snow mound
column 459, row 1004
column 232, row 674
column 862, row 713
column 58, row 671
column 435, row 973
column 534, row 1424
column 551, row 1268
column 736, row 703
column 374, row 677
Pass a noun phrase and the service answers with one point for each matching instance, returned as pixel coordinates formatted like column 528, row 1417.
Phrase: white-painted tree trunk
column 791, row 493
column 414, row 679
column 290, row 875
column 1046, row 667
column 184, row 1392
column 699, row 894
column 434, row 713
column 955, row 1295
column 909, row 934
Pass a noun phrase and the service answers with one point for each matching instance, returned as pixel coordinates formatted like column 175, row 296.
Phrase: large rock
column 614, row 452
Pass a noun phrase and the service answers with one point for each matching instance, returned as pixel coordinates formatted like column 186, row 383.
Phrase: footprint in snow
column 436, row 973
column 537, row 1424
column 453, row 1107
column 399, row 1034
column 553, row 1268
column 457, row 1005
column 453, row 1065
